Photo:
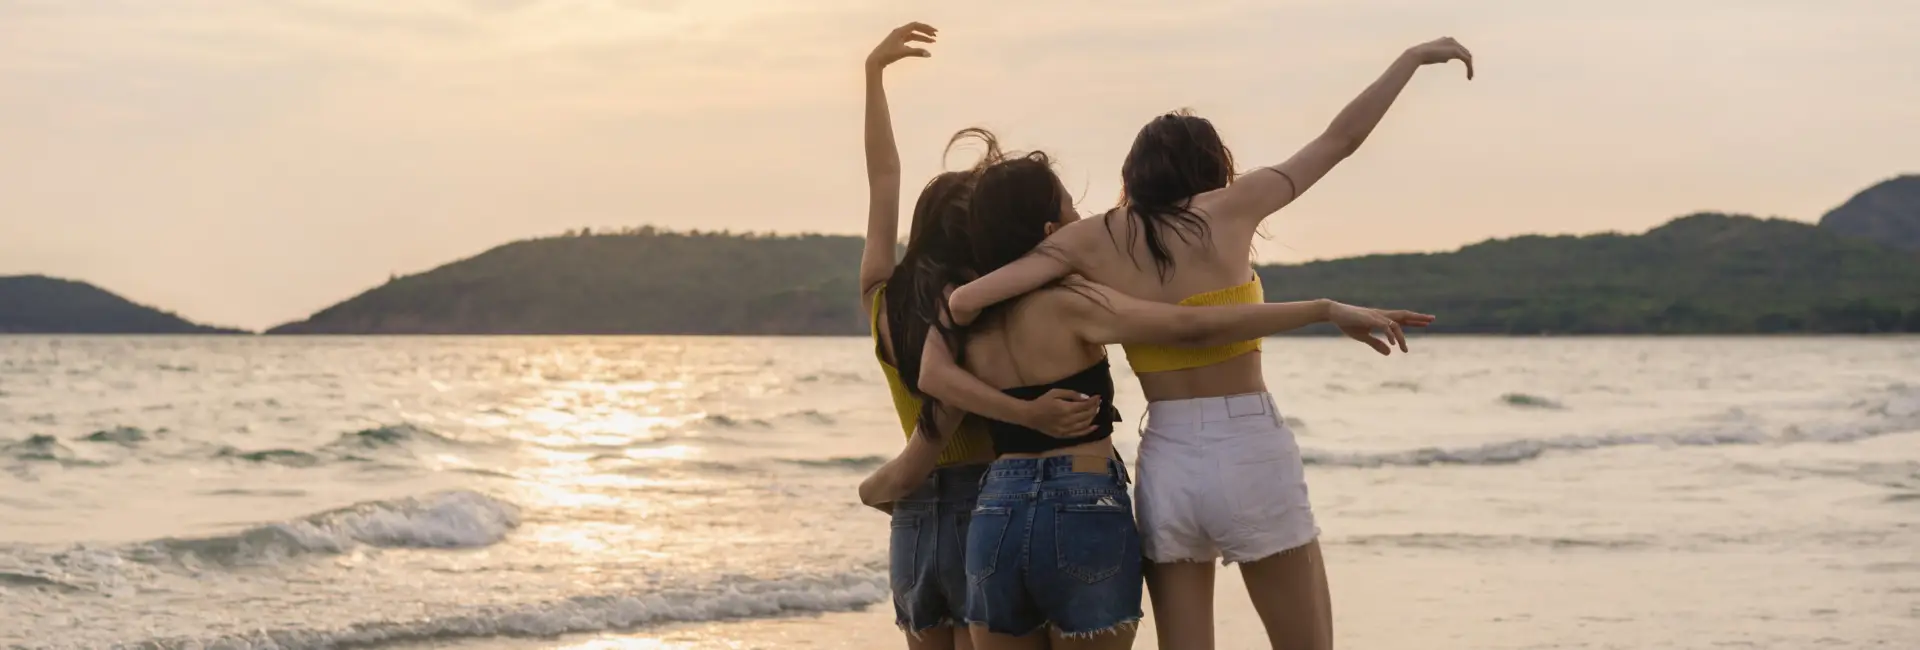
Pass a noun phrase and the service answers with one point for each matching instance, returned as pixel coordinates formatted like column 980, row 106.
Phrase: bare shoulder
column 1085, row 235
column 1073, row 296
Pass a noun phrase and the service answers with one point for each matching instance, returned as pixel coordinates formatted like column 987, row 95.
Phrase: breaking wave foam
column 458, row 519
column 732, row 598
column 1526, row 449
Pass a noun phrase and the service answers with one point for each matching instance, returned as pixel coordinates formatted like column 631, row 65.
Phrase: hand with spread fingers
column 1360, row 323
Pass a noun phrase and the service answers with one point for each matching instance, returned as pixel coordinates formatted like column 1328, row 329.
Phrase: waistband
column 1041, row 469
column 1201, row 410
column 955, row 483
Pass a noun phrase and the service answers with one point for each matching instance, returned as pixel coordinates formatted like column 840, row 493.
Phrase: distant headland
column 1857, row 271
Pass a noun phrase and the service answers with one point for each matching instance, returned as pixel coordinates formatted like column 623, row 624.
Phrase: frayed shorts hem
column 1125, row 625
column 906, row 626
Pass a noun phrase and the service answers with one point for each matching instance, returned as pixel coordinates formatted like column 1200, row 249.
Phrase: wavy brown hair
column 1175, row 157
column 936, row 254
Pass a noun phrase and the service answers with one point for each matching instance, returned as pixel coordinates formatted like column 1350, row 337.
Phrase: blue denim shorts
column 927, row 550
column 1053, row 542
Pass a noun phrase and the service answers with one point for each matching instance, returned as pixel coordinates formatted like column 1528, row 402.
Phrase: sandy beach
column 869, row 629
column 1448, row 593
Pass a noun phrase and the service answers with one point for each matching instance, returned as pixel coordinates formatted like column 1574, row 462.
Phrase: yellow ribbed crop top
column 970, row 442
column 1155, row 358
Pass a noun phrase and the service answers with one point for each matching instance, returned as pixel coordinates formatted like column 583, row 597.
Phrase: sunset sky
column 247, row 163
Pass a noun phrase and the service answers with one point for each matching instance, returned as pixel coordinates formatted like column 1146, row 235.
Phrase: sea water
column 328, row 492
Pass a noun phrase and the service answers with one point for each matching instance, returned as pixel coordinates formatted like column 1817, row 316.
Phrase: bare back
column 1112, row 250
column 1032, row 340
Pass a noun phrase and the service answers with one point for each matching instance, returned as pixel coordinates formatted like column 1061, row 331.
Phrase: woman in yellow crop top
column 1220, row 475
column 930, row 488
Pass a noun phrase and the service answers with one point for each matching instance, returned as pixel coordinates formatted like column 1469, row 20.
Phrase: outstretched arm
column 1264, row 191
column 1059, row 413
column 1103, row 315
column 883, row 156
column 1006, row 283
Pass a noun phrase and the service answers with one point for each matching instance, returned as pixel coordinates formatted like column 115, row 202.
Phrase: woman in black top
column 1052, row 546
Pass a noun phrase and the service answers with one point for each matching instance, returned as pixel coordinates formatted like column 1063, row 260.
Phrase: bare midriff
column 1237, row 376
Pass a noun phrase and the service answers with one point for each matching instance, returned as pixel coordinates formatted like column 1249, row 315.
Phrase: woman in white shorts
column 1220, row 475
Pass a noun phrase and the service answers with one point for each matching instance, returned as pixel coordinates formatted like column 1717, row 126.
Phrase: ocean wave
column 831, row 377
column 727, row 599
column 392, row 435
column 124, row 436
column 456, row 519
column 38, row 449
column 1459, row 541
column 1523, row 400
column 809, row 416
column 282, row 457
column 356, row 446
column 729, row 422
column 34, row 581
column 1526, row 449
column 841, row 462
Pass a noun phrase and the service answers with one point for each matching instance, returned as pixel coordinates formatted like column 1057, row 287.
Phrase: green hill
column 637, row 282
column 35, row 304
column 1888, row 213
column 1706, row 273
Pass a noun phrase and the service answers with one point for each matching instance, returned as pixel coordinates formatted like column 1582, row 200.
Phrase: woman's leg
column 1118, row 639
column 1182, row 595
column 984, row 640
column 939, row 638
column 1289, row 590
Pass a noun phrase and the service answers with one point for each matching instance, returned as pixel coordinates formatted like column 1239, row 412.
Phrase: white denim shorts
column 1220, row 477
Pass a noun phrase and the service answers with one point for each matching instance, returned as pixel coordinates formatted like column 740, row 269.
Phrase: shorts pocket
column 1091, row 539
column 985, row 532
column 903, row 549
column 1261, row 494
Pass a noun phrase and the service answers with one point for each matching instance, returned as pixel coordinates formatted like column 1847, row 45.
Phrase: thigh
column 939, row 638
column 983, row 639
column 1182, row 594
column 1289, row 590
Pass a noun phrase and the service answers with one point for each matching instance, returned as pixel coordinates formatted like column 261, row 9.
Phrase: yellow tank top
column 1155, row 358
column 970, row 442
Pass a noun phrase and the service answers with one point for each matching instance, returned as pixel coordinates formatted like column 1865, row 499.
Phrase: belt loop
column 1039, row 471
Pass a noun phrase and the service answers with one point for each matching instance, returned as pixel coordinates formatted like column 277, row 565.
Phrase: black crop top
column 1095, row 381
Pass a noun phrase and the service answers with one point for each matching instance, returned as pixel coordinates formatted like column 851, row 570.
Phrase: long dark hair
column 1175, row 157
column 936, row 254
column 1014, row 198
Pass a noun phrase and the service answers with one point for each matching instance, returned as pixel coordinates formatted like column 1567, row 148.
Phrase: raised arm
column 883, row 156
column 1103, row 315
column 1264, row 191
column 1059, row 413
